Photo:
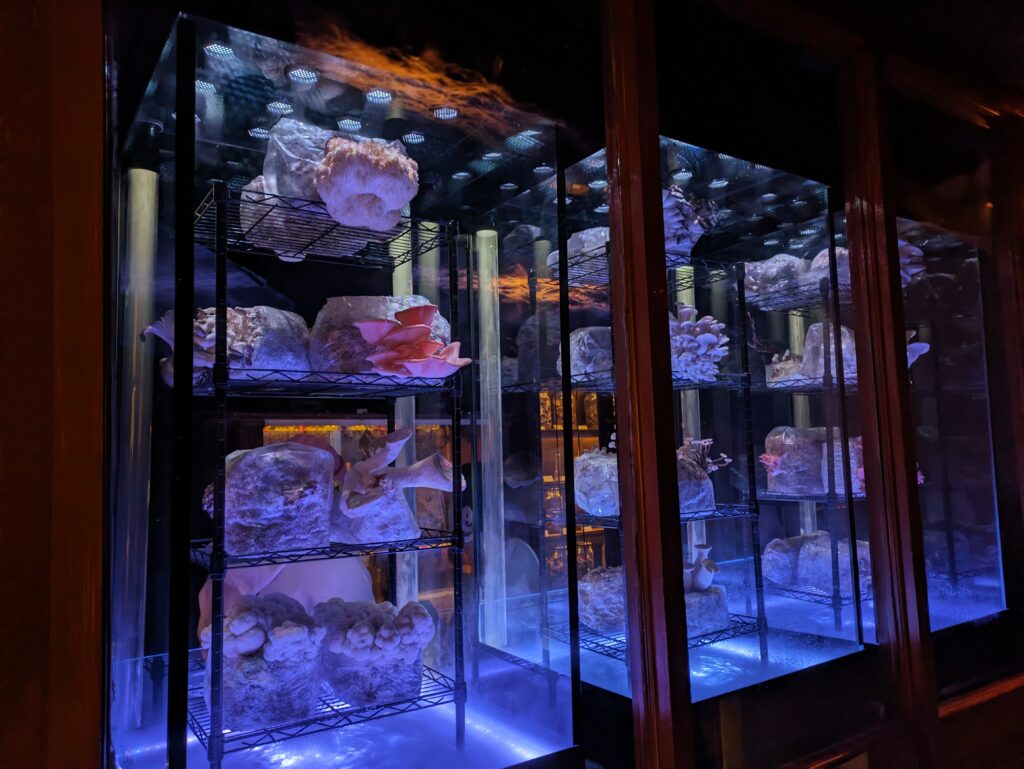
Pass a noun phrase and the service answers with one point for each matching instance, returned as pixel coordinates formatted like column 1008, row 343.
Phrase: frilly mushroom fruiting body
column 697, row 345
column 263, row 339
column 372, row 505
column 686, row 219
column 405, row 347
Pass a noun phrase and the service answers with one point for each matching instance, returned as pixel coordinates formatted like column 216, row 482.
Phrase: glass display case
column 958, row 392
column 764, row 376
column 311, row 564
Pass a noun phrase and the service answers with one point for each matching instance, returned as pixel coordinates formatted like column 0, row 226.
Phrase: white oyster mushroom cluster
column 686, row 218
column 697, row 345
column 261, row 337
column 273, row 626
column 911, row 262
column 369, row 632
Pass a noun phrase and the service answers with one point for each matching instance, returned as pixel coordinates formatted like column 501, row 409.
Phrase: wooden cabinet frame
column 663, row 715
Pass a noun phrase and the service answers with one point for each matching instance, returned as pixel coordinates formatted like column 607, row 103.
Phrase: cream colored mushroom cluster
column 273, row 626
column 366, row 183
column 697, row 345
column 372, row 632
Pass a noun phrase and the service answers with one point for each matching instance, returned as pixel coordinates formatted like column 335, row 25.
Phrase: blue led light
column 509, row 187
column 349, row 124
column 543, row 169
column 219, row 51
column 203, row 86
column 682, row 177
column 524, row 141
column 413, row 137
column 279, row 108
column 601, row 209
column 460, row 176
column 492, row 156
column 768, row 197
column 378, row 96
column 259, row 133
column 303, row 75
column 717, row 184
column 598, row 184
column 446, row 113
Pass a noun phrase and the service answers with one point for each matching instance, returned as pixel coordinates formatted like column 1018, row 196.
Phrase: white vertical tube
column 408, row 583
column 802, row 415
column 492, row 515
column 130, row 531
column 695, row 530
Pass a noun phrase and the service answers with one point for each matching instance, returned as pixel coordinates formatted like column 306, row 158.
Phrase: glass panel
column 762, row 405
column 791, row 425
column 142, row 273
column 349, row 422
column 949, row 390
column 941, row 181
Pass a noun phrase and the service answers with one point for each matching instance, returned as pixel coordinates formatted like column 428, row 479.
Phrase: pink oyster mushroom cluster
column 405, row 347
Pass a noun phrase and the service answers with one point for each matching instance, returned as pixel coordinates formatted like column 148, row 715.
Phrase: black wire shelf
column 436, row 689
column 514, row 659
column 613, row 644
column 590, row 268
column 430, row 539
column 802, row 299
column 839, row 498
column 606, row 644
column 603, row 383
column 274, row 383
column 719, row 512
column 296, row 229
column 814, row 595
column 806, row 385
column 739, row 625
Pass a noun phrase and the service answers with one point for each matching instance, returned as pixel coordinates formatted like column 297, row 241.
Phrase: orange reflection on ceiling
column 420, row 84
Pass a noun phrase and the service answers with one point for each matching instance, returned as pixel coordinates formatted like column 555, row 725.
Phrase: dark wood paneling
column 77, row 566
column 897, row 563
column 983, row 728
column 51, row 438
column 659, row 667
column 26, row 419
